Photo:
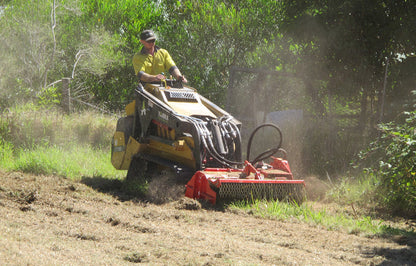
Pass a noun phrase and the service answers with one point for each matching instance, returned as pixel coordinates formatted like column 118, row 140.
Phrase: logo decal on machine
column 163, row 116
column 143, row 110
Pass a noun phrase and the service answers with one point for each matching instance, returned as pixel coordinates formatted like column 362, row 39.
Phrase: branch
column 53, row 83
column 53, row 26
column 77, row 58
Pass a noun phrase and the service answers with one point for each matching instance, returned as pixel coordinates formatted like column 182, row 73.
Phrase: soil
column 48, row 220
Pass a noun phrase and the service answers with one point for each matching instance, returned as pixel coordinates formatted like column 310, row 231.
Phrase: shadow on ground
column 159, row 190
column 114, row 187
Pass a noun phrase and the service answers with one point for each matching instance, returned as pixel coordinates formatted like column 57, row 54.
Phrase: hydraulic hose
column 267, row 153
column 207, row 143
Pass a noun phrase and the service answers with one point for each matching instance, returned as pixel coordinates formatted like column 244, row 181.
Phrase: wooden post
column 66, row 95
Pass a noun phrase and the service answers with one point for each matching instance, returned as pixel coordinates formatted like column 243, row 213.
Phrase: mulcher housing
column 174, row 126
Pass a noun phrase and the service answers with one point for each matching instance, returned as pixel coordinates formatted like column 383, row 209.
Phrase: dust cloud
column 164, row 188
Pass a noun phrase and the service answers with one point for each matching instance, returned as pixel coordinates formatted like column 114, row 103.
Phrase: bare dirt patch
column 48, row 220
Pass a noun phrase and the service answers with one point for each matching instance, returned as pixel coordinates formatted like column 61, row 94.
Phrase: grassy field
column 77, row 146
column 49, row 142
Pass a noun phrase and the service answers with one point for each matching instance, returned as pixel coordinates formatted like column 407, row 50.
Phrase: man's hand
column 160, row 77
column 182, row 78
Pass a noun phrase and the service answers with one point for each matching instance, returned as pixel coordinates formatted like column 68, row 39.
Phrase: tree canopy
column 341, row 46
column 336, row 52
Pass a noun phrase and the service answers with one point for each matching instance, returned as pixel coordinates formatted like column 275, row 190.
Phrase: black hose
column 267, row 153
column 210, row 147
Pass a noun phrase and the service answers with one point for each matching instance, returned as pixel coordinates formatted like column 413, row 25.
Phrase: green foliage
column 49, row 97
column 393, row 159
column 208, row 37
column 83, row 40
column 126, row 18
column 97, row 39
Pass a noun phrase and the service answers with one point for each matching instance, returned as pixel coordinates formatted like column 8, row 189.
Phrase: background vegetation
column 348, row 65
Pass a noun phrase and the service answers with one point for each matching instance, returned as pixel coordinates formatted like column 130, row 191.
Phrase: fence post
column 66, row 95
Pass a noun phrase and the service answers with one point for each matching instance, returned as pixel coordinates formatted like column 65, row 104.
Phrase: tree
column 48, row 40
column 344, row 49
column 208, row 37
column 351, row 41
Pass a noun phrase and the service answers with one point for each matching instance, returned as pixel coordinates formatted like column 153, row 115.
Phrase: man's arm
column 151, row 78
column 156, row 78
column 177, row 74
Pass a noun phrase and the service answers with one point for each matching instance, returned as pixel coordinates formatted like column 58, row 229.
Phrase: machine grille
column 182, row 96
column 246, row 191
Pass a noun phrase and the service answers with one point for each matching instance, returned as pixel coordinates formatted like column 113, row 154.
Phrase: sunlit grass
column 6, row 154
column 360, row 190
column 53, row 143
column 306, row 213
column 72, row 162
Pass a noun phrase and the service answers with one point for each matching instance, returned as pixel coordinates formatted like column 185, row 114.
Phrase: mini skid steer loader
column 171, row 125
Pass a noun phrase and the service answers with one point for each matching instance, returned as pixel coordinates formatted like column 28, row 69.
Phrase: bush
column 393, row 158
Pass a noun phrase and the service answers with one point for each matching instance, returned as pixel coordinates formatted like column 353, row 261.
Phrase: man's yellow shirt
column 159, row 62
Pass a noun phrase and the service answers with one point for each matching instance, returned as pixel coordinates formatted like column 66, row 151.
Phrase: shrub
column 393, row 158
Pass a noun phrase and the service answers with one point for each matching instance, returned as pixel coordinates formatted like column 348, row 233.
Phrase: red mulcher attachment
column 268, row 181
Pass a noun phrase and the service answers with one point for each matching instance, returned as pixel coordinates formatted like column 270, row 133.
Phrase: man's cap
column 147, row 35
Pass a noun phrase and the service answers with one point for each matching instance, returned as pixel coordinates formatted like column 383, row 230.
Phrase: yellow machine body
column 164, row 142
column 173, row 126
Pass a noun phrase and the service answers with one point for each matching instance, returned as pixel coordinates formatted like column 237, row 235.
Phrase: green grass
column 72, row 162
column 361, row 191
column 49, row 142
column 306, row 213
column 6, row 154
